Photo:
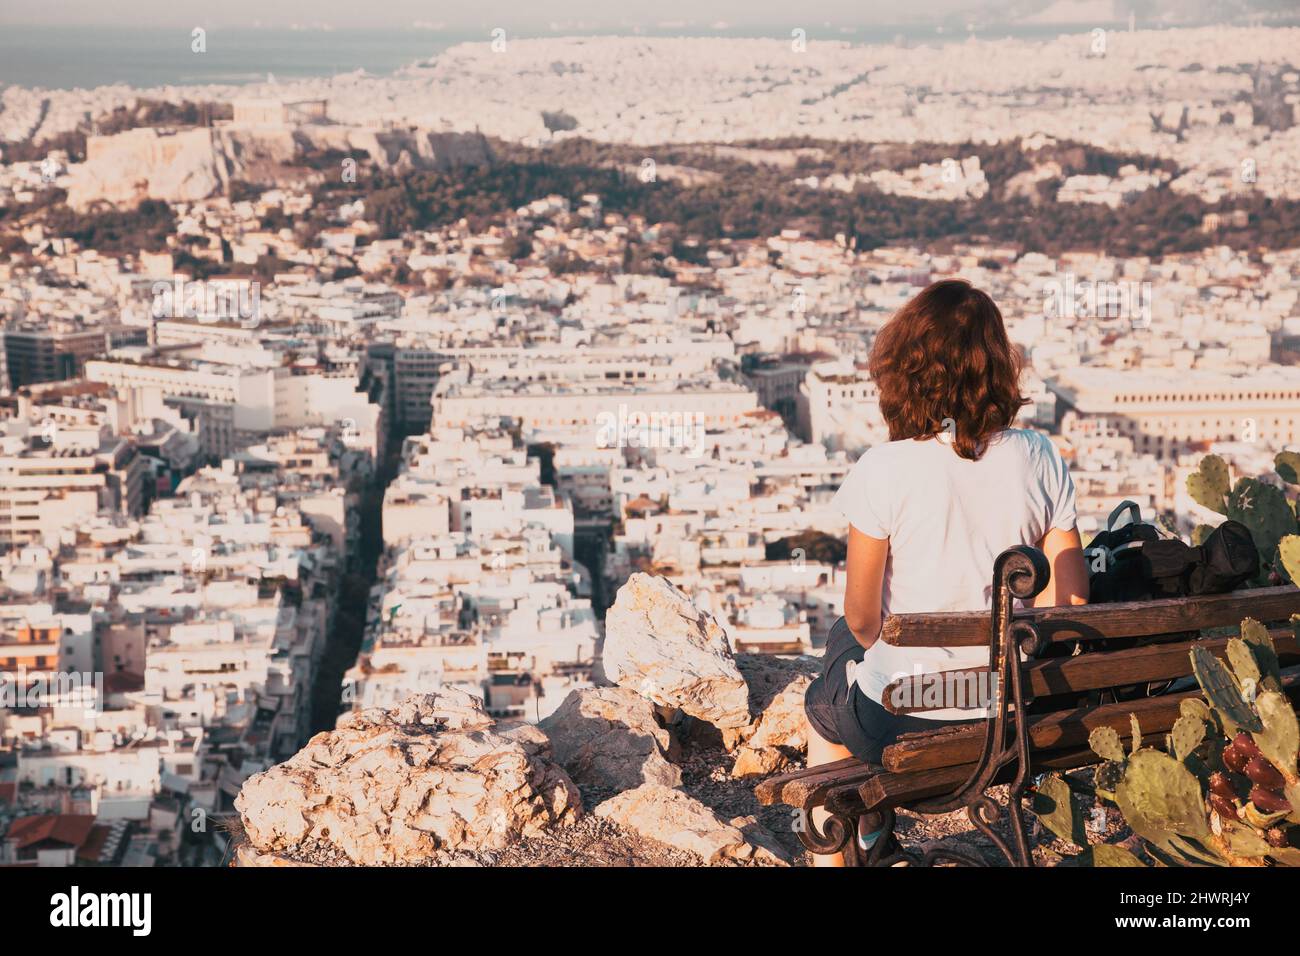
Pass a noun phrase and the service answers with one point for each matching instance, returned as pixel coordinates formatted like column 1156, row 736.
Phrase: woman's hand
column 865, row 581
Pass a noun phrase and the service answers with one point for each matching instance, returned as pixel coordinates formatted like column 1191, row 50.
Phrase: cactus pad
column 1195, row 707
column 1105, row 854
column 1186, row 736
column 1245, row 842
column 1243, row 664
column 1160, row 798
column 1263, row 509
column 1222, row 691
column 1106, row 778
column 1204, row 494
column 1208, row 485
column 1289, row 557
column 1058, row 809
column 1287, row 465
column 1255, row 635
column 1279, row 738
column 1105, row 743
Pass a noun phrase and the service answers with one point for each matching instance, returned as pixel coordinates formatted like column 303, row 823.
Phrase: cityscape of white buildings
column 443, row 465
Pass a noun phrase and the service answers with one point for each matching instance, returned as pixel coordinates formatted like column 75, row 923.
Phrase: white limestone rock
column 609, row 737
column 660, row 645
column 396, row 786
column 779, row 729
column 678, row 820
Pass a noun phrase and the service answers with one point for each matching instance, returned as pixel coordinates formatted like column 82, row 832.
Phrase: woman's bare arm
column 865, row 580
column 1069, row 584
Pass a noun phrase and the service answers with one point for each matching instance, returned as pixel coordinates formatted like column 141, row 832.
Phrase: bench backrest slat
column 1063, row 675
column 1099, row 621
column 1054, row 731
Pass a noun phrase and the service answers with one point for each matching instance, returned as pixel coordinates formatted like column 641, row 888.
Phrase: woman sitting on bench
column 930, row 510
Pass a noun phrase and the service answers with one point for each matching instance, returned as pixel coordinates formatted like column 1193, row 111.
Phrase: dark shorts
column 842, row 714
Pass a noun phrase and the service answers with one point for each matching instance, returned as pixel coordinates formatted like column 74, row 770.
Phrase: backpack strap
column 1129, row 507
column 1101, row 557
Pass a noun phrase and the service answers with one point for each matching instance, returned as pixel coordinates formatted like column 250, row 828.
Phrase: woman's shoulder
column 1029, row 441
column 893, row 453
column 1036, row 449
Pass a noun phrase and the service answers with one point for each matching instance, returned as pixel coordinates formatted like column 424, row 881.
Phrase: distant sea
column 71, row 57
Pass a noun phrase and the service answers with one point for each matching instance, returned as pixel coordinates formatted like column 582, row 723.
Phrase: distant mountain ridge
column 1101, row 13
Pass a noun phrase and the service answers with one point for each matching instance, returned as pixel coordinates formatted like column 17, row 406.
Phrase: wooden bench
column 1041, row 709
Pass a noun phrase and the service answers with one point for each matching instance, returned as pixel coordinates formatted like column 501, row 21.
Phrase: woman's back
column 947, row 518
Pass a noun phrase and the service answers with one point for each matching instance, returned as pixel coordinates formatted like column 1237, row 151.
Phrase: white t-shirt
column 947, row 519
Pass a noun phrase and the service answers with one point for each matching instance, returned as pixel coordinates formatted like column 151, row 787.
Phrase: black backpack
column 1130, row 561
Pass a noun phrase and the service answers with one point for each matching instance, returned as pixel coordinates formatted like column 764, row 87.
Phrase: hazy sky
column 537, row 14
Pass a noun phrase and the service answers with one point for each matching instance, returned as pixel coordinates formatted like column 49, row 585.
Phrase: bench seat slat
column 898, row 789
column 798, row 792
column 958, row 745
column 1061, row 675
column 785, row 787
column 902, row 789
column 1099, row 621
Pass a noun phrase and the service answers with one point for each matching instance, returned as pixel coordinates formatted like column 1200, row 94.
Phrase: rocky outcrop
column 186, row 165
column 436, row 781
column 609, row 737
column 147, row 163
column 399, row 786
column 399, row 148
column 672, row 817
column 660, row 645
column 779, row 730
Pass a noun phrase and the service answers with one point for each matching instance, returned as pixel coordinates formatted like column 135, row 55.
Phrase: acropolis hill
column 193, row 164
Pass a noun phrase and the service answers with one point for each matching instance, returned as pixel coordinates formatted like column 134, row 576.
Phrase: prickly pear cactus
column 1264, row 508
column 1058, row 807
column 1255, row 636
column 1106, row 744
column 1161, row 801
column 1225, row 791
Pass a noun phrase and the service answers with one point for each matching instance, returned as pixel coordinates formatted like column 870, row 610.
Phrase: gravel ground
column 706, row 775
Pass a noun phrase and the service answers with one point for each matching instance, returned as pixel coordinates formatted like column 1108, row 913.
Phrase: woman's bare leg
column 822, row 751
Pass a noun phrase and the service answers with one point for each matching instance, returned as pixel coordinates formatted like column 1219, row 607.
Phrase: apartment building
column 54, row 350
column 250, row 392
column 1167, row 412
column 47, row 487
column 538, row 405
column 838, row 406
column 419, row 364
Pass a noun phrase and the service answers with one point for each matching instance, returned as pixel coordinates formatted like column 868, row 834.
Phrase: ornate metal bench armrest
column 1020, row 572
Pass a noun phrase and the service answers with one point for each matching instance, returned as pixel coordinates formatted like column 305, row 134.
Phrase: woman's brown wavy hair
column 943, row 363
